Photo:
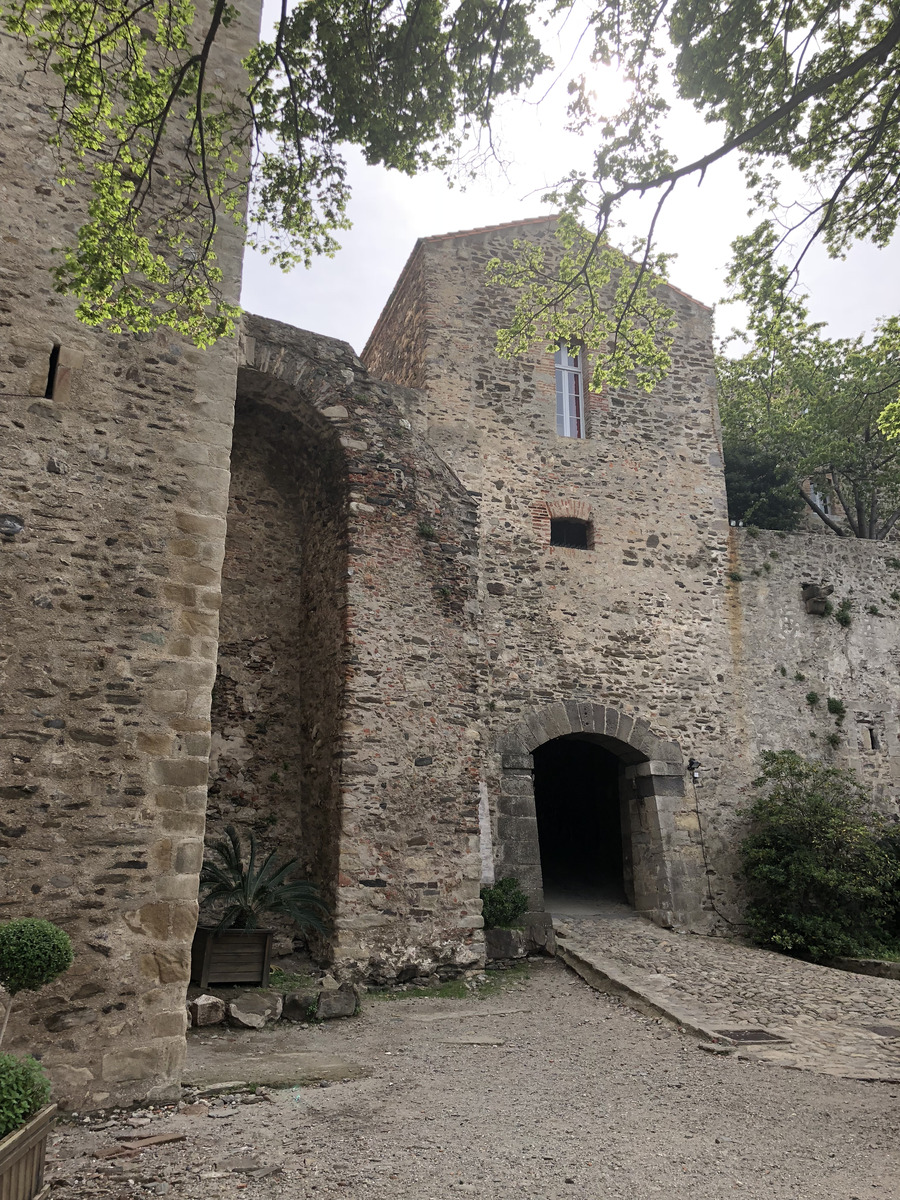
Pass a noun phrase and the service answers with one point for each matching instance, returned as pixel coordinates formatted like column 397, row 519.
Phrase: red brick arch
column 544, row 511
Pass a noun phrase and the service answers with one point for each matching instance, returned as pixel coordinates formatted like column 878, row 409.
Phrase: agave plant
column 252, row 890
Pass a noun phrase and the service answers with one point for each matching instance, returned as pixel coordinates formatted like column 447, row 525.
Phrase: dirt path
column 546, row 1090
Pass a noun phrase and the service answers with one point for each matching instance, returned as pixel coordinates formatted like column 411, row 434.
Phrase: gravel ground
column 544, row 1090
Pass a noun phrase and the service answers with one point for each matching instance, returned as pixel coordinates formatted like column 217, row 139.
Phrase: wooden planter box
column 233, row 956
column 22, row 1158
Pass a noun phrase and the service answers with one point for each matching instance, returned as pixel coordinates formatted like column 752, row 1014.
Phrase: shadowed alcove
column 277, row 701
column 577, row 792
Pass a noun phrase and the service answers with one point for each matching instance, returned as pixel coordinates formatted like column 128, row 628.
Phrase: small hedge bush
column 24, row 1090
column 504, row 904
column 32, row 954
column 823, row 882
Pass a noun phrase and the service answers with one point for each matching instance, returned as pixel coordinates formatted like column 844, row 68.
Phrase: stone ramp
column 829, row 1021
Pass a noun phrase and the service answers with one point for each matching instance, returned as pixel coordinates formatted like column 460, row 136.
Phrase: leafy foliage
column 504, row 904
column 245, row 892
column 161, row 139
column 32, row 954
column 811, row 87
column 822, row 884
column 890, row 844
column 760, row 488
column 844, row 613
column 24, row 1090
column 150, row 122
column 812, row 406
column 595, row 298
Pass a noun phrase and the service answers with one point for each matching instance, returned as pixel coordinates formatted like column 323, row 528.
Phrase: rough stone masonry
column 268, row 585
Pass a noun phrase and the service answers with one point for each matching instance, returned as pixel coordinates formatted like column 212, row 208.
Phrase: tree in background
column 808, row 407
column 810, row 87
column 791, row 89
column 761, row 490
column 162, row 141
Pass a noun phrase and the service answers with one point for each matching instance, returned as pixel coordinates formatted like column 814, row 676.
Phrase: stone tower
column 116, row 461
column 602, row 549
column 638, row 652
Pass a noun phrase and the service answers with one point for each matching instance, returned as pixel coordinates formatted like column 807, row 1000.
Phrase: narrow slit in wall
column 51, row 373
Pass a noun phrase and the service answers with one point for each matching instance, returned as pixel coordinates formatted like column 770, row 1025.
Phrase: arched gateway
column 638, row 798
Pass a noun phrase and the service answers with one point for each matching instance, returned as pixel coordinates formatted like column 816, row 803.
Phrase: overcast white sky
column 343, row 296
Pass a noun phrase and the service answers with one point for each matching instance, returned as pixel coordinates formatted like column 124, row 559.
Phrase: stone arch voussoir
column 588, row 717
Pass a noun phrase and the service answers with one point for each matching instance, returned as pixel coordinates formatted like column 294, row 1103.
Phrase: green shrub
column 24, row 1089
column 812, row 699
column 890, row 843
column 32, row 954
column 843, row 615
column 821, row 883
column 836, row 708
column 242, row 894
column 504, row 904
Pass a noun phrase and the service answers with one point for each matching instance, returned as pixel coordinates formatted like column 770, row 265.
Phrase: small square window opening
column 569, row 393
column 567, row 531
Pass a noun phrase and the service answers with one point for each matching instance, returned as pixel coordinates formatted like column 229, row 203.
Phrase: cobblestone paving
column 824, row 1014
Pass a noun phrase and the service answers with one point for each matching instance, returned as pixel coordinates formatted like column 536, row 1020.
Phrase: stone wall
column 403, row 747
column 398, row 635
column 784, row 656
column 637, row 624
column 108, row 634
column 279, row 688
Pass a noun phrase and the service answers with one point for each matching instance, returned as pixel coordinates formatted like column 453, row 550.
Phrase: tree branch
column 820, row 512
column 877, row 53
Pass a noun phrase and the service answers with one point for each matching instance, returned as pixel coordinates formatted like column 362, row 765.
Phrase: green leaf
column 591, row 295
column 242, row 894
column 173, row 150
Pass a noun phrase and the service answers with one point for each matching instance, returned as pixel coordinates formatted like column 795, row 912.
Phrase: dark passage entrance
column 577, row 797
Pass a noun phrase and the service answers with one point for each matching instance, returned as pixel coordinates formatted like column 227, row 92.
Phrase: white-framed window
column 569, row 393
column 820, row 498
